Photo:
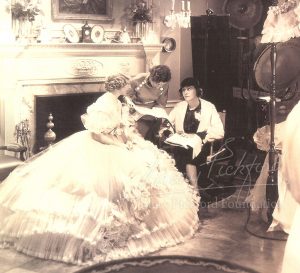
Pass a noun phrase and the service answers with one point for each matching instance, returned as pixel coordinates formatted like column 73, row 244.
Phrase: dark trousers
column 148, row 127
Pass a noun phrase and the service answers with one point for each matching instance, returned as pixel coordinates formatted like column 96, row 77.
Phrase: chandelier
column 182, row 18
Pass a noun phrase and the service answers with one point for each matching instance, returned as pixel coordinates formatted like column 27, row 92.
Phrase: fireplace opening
column 66, row 110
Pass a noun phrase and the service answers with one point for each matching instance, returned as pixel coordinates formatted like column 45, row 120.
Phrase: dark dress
column 143, row 94
column 184, row 156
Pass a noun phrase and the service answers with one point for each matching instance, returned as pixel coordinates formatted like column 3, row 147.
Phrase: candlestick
column 173, row 4
column 188, row 5
column 182, row 18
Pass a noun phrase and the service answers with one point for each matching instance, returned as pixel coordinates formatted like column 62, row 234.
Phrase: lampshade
column 287, row 65
column 244, row 14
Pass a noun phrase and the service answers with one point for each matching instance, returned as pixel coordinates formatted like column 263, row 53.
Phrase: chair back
column 213, row 153
column 223, row 117
column 10, row 162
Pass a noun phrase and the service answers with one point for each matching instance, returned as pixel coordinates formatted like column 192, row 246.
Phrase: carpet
column 166, row 264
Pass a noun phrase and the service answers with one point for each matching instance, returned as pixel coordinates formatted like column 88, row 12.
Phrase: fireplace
column 66, row 101
column 66, row 110
column 35, row 73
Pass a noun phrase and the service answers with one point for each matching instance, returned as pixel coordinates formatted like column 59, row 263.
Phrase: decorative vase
column 141, row 30
column 23, row 29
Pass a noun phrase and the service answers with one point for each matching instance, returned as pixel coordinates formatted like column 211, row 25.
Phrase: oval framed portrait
column 71, row 34
column 97, row 34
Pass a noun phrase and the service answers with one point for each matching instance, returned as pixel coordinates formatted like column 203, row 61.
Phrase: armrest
column 216, row 148
column 16, row 148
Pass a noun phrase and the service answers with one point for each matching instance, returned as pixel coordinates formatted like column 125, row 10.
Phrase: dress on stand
column 291, row 262
column 285, row 208
column 82, row 200
column 282, row 22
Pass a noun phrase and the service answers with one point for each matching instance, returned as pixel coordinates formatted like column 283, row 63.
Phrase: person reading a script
column 198, row 121
column 150, row 90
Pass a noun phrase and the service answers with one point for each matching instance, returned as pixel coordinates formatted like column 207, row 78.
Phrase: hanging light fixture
column 182, row 18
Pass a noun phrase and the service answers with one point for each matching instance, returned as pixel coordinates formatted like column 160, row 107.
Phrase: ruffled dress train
column 82, row 201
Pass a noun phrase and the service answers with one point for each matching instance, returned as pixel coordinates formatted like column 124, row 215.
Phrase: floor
column 228, row 231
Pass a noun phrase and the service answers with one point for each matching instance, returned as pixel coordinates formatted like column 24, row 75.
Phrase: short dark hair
column 191, row 82
column 160, row 73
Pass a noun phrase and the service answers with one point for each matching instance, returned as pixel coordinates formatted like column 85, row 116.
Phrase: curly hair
column 160, row 73
column 116, row 82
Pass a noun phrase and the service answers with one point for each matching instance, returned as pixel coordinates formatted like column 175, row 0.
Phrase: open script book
column 186, row 140
column 155, row 111
column 183, row 140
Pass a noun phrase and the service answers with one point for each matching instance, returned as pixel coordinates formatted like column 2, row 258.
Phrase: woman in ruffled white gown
column 101, row 194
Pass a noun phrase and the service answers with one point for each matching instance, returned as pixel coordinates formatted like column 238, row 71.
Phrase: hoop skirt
column 82, row 201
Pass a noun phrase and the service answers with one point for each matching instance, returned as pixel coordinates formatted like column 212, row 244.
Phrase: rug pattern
column 174, row 264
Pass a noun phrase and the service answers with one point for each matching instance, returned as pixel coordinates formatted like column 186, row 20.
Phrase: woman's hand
column 119, row 140
column 109, row 139
column 129, row 145
column 182, row 133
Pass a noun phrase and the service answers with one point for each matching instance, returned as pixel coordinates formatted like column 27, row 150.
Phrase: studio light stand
column 271, row 187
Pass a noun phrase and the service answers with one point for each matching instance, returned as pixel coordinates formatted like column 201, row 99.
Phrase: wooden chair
column 216, row 147
column 10, row 162
column 221, row 159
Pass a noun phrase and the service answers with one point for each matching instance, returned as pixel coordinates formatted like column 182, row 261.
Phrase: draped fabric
column 290, row 159
column 286, row 205
column 281, row 25
column 82, row 200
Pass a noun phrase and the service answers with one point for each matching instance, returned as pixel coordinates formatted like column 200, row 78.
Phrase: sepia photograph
column 149, row 136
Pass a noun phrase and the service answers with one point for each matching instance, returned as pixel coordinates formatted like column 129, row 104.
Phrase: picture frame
column 88, row 10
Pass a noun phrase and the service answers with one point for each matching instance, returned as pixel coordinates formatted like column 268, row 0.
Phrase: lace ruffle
column 282, row 26
column 104, row 115
column 107, row 203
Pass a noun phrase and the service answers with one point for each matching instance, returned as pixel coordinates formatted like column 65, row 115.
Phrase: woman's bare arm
column 110, row 139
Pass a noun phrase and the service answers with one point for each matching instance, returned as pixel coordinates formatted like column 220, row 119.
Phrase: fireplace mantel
column 80, row 49
column 24, row 65
column 30, row 61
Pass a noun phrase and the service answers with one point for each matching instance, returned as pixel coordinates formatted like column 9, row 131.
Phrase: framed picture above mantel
column 97, row 10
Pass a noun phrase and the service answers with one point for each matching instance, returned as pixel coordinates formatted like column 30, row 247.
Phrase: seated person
column 197, row 118
column 149, row 90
